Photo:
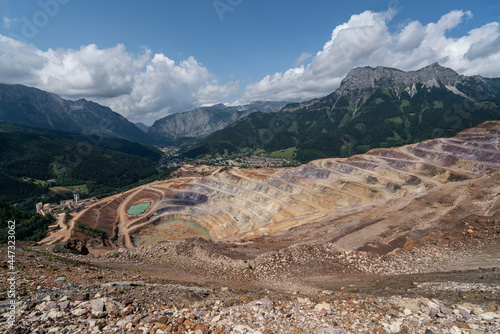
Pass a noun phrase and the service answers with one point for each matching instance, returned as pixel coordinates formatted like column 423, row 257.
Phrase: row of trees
column 29, row 225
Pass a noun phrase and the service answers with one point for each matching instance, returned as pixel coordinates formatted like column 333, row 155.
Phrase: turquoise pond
column 138, row 209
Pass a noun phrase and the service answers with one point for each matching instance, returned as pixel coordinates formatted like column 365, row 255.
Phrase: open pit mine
column 375, row 201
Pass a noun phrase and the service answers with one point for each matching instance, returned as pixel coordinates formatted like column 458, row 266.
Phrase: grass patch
column 404, row 103
column 395, row 120
column 438, row 104
column 50, row 267
column 62, row 191
column 41, row 183
column 83, row 188
column 90, row 231
column 486, row 105
column 294, row 127
column 288, row 153
column 395, row 138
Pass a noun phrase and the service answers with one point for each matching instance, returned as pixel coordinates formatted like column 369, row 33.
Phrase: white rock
column 433, row 305
column 97, row 305
column 55, row 314
column 395, row 327
column 323, row 307
column 455, row 330
column 79, row 312
column 489, row 316
column 40, row 307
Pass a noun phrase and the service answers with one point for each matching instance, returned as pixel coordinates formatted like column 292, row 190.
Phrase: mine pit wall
column 103, row 218
column 331, row 193
column 146, row 195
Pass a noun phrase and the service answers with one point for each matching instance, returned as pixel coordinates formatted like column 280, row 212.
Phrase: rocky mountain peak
column 433, row 75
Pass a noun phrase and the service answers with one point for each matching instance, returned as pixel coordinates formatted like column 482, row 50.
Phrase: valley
column 390, row 225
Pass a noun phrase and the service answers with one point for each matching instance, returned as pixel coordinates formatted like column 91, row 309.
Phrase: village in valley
column 172, row 158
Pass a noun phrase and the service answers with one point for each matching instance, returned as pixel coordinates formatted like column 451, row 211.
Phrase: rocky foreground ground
column 197, row 286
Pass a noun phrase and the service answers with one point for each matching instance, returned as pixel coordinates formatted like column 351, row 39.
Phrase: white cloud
column 142, row 87
column 147, row 86
column 19, row 62
column 166, row 87
column 7, row 22
column 302, row 58
column 365, row 40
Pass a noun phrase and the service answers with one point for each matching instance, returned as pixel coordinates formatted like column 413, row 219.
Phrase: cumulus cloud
column 365, row 40
column 166, row 87
column 142, row 87
column 146, row 86
column 19, row 62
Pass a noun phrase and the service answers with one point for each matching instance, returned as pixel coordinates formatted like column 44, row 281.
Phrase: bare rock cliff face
column 360, row 82
column 197, row 123
column 432, row 75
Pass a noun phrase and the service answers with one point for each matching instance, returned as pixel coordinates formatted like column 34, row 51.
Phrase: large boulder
column 72, row 246
column 77, row 247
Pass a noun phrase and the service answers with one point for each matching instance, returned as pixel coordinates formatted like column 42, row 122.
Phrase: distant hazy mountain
column 33, row 107
column 201, row 122
column 143, row 127
column 373, row 107
column 265, row 106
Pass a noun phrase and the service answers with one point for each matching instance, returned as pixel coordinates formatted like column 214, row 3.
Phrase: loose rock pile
column 139, row 307
column 56, row 294
column 109, row 293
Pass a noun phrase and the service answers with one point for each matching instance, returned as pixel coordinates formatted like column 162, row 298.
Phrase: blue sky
column 152, row 58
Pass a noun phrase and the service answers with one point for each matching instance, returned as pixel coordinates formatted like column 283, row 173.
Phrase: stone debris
column 338, row 313
column 99, row 300
column 107, row 293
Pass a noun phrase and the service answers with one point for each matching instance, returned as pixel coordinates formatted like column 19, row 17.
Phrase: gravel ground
column 198, row 286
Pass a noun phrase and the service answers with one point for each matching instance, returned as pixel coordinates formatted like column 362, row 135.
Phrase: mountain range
column 373, row 107
column 201, row 122
column 36, row 108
